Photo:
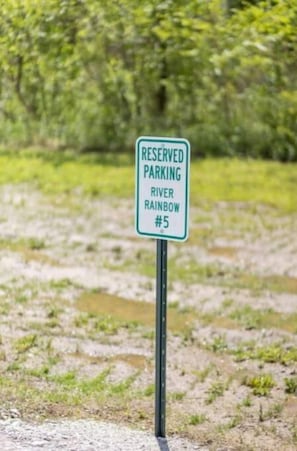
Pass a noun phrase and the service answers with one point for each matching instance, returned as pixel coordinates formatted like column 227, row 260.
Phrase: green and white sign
column 162, row 187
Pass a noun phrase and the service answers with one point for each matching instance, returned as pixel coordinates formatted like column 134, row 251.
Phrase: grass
column 25, row 343
column 281, row 353
column 291, row 385
column 274, row 353
column 215, row 390
column 232, row 180
column 196, row 419
column 65, row 392
column 250, row 318
column 261, row 385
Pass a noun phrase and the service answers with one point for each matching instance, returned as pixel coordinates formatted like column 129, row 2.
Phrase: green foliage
column 196, row 419
column 216, row 389
column 94, row 74
column 274, row 353
column 25, row 343
column 261, row 385
column 291, row 385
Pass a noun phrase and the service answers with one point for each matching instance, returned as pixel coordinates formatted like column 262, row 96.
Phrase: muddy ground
column 77, row 294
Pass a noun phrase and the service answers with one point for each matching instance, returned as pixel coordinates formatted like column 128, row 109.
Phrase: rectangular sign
column 162, row 187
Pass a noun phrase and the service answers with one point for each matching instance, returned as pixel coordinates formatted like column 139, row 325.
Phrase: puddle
column 136, row 360
column 127, row 310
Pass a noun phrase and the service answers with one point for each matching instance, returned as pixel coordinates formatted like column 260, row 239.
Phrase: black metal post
column 161, row 332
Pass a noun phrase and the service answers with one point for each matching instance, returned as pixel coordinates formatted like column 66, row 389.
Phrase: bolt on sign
column 162, row 187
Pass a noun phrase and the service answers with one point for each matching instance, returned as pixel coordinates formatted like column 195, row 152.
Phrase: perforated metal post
column 161, row 332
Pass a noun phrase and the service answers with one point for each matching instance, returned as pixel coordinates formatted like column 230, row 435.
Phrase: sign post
column 162, row 211
column 161, row 326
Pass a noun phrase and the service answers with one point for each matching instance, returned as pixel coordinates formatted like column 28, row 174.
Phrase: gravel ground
column 51, row 255
column 83, row 436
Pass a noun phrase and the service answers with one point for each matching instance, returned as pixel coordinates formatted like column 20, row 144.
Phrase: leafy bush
column 95, row 75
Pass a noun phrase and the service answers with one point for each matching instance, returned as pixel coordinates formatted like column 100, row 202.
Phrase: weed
column 177, row 396
column 247, row 317
column 91, row 247
column 233, row 422
column 123, row 386
column 251, row 318
column 150, row 390
column 54, row 312
column 53, row 323
column 218, row 344
column 81, row 320
column 227, row 303
column 25, row 343
column 149, row 334
column 203, row 374
column 61, row 284
column 261, row 413
column 21, row 298
column 216, row 389
column 14, row 366
column 274, row 353
column 36, row 244
column 111, row 326
column 261, row 385
column 291, row 385
column 117, row 250
column 247, row 402
column 96, row 385
column 274, row 411
column 66, row 380
column 40, row 372
column 196, row 419
column 187, row 334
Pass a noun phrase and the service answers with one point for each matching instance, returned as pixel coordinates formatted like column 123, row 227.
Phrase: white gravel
column 84, row 435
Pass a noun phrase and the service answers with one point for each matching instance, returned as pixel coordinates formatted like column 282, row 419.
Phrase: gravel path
column 83, row 435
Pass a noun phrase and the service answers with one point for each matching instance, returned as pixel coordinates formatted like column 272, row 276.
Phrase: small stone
column 14, row 413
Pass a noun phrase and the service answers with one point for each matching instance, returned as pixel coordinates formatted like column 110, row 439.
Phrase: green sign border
column 137, row 184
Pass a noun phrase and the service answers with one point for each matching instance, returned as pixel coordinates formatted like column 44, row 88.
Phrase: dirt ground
column 77, row 295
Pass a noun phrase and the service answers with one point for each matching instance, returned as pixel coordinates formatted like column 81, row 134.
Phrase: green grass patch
column 261, row 385
column 196, row 419
column 274, row 353
column 282, row 353
column 258, row 182
column 66, row 394
column 25, row 343
column 56, row 173
column 250, row 318
column 212, row 180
